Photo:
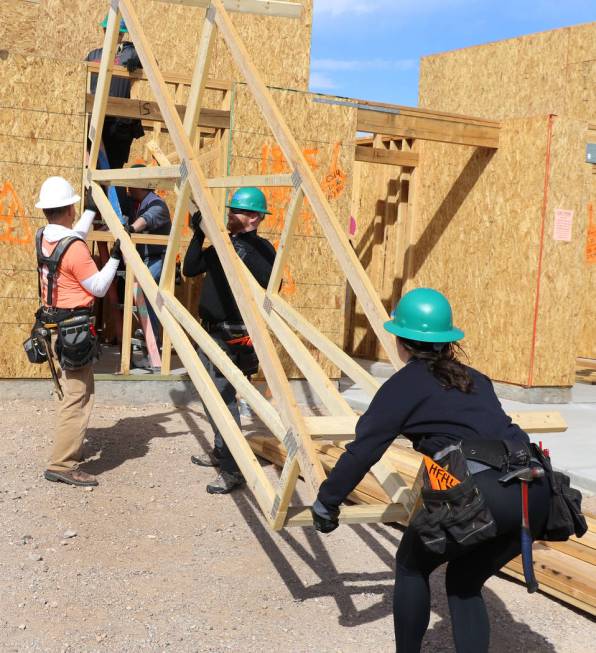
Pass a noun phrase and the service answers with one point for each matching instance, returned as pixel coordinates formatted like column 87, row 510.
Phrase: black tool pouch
column 77, row 343
column 36, row 345
column 459, row 515
column 246, row 359
column 565, row 516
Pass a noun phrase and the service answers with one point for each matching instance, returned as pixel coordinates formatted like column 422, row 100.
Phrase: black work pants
column 467, row 569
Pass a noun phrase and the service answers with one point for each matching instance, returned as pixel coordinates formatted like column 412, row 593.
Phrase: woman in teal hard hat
column 442, row 406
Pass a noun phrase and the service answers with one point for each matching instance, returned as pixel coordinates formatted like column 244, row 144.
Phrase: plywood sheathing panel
column 42, row 104
column 313, row 281
column 18, row 23
column 549, row 72
column 563, row 281
column 476, row 238
column 279, row 47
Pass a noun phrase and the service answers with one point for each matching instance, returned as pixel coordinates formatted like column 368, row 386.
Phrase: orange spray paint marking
column 289, row 285
column 335, row 180
column 11, row 210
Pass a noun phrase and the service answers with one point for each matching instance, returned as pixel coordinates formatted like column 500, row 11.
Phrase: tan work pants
column 73, row 417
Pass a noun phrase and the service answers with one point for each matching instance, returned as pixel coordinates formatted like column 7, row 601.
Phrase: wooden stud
column 388, row 157
column 263, row 7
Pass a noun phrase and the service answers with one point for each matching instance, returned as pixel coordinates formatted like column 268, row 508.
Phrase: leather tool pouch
column 457, row 515
column 565, row 516
column 77, row 343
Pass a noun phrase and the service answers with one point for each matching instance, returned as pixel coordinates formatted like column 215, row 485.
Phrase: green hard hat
column 425, row 315
column 249, row 199
column 123, row 28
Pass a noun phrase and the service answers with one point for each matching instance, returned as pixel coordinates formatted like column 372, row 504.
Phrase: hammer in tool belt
column 45, row 338
column 526, row 475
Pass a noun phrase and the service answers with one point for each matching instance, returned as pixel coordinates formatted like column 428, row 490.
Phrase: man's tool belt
column 238, row 344
column 458, row 514
column 77, row 344
column 501, row 455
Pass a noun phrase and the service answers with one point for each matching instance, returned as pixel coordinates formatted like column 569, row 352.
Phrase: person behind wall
column 67, row 300
column 150, row 215
column 118, row 133
column 437, row 402
column 221, row 318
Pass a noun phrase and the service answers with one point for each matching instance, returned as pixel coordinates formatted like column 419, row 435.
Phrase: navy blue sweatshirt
column 413, row 403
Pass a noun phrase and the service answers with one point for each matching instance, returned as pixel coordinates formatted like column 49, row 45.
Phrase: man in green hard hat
column 220, row 316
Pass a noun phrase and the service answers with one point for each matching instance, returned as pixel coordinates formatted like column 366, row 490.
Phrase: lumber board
column 428, row 128
column 403, row 158
column 586, row 363
column 262, row 7
column 169, row 77
column 539, row 421
column 357, row 514
column 148, row 110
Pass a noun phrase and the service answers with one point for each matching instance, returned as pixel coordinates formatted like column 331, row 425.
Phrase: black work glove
column 324, row 519
column 89, row 204
column 128, row 228
column 115, row 251
column 195, row 220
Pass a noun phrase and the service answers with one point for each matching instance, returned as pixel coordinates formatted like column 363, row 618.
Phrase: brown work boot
column 72, row 477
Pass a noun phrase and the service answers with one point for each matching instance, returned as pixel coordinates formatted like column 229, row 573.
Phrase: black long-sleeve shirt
column 414, row 403
column 217, row 303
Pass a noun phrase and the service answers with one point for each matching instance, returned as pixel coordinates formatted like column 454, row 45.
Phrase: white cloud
column 321, row 82
column 333, row 65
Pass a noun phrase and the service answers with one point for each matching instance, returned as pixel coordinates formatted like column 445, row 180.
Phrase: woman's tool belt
column 565, row 516
column 238, row 345
column 77, row 343
column 454, row 509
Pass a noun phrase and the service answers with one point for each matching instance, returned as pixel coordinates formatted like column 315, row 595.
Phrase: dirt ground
column 149, row 562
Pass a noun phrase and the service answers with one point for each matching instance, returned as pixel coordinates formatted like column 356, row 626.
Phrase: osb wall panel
column 18, row 23
column 42, row 135
column 563, row 273
column 375, row 235
column 549, row 72
column 470, row 204
column 313, row 281
column 280, row 47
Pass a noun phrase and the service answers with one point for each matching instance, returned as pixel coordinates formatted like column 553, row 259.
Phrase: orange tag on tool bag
column 440, row 478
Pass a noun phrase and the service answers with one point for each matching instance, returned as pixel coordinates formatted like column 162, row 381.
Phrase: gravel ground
column 149, row 562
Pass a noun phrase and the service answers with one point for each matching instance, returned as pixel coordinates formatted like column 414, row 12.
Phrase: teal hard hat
column 123, row 28
column 249, row 199
column 424, row 315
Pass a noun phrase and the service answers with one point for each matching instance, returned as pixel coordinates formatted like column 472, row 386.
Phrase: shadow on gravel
column 108, row 448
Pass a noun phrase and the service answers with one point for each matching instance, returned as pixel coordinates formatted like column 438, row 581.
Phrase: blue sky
column 370, row 49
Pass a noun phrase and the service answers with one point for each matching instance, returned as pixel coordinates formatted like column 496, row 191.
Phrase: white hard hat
column 55, row 193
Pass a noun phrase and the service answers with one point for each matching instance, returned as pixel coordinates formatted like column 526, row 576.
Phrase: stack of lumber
column 565, row 570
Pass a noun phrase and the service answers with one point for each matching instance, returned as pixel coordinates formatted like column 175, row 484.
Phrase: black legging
column 467, row 571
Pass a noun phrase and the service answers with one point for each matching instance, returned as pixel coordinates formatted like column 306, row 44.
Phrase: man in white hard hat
column 69, row 282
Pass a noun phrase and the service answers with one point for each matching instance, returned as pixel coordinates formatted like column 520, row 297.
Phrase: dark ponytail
column 442, row 362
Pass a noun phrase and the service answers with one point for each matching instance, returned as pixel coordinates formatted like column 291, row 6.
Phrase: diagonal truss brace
column 258, row 307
